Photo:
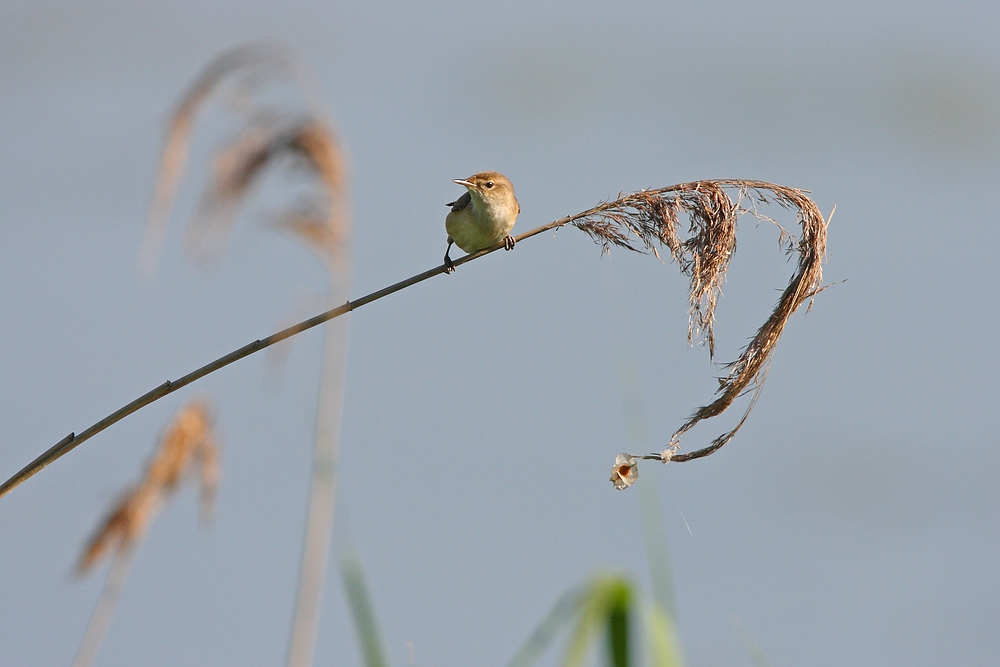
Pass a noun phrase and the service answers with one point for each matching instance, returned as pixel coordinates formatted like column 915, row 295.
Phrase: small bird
column 483, row 216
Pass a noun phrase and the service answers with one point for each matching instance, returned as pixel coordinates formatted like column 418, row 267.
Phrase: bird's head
column 492, row 188
column 488, row 185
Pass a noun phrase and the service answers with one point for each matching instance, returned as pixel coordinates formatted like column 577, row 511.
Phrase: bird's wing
column 460, row 204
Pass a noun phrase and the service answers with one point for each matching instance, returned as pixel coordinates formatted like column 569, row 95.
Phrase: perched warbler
column 483, row 216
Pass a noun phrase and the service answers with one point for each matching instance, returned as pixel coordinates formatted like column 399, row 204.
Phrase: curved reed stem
column 73, row 440
column 649, row 216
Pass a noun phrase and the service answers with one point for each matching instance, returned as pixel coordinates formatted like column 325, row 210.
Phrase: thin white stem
column 323, row 487
column 100, row 619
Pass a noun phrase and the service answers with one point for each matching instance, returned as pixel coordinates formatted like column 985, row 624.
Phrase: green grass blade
column 618, row 613
column 362, row 610
column 567, row 606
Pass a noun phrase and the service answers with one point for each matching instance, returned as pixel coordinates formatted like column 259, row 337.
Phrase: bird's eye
column 489, row 184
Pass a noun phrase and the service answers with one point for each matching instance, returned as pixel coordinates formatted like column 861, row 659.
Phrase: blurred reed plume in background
column 278, row 120
column 280, row 129
column 187, row 445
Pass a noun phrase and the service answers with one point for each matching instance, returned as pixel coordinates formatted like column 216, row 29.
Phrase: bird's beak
column 463, row 182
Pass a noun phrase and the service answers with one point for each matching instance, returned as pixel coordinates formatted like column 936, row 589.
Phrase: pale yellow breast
column 480, row 225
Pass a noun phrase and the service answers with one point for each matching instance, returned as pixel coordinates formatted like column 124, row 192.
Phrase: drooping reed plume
column 187, row 445
column 645, row 220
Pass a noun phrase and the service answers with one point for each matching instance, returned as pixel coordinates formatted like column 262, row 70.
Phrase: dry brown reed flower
column 175, row 149
column 124, row 526
column 187, row 442
column 644, row 220
column 309, row 144
column 270, row 131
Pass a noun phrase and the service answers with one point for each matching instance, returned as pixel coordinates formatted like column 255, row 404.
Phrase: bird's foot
column 449, row 266
column 508, row 243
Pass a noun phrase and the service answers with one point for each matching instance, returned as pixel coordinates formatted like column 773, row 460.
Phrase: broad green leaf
column 606, row 609
column 664, row 648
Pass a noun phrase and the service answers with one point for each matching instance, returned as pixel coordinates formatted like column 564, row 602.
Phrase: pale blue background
column 853, row 521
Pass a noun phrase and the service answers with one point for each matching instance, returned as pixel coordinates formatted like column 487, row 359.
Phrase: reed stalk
column 648, row 217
